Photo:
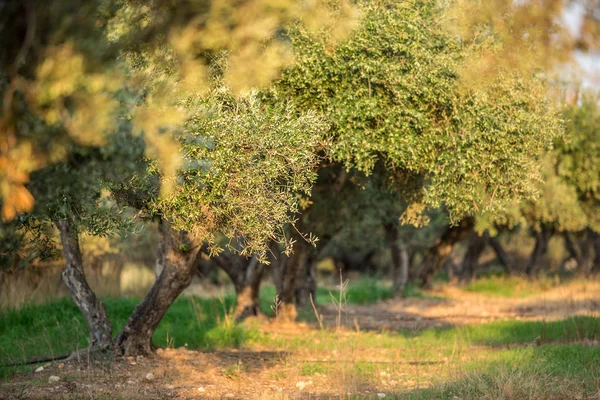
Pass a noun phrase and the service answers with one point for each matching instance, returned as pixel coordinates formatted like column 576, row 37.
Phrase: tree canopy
column 392, row 93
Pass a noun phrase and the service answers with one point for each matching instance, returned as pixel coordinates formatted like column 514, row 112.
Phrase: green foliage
column 569, row 188
column 71, row 71
column 578, row 155
column 245, row 166
column 391, row 92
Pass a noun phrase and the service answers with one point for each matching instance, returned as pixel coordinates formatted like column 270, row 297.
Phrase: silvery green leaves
column 392, row 93
column 246, row 164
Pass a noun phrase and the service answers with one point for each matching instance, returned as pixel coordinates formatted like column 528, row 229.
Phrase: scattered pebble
column 201, row 389
column 149, row 376
column 130, row 382
column 53, row 379
column 61, row 366
column 39, row 369
column 133, row 363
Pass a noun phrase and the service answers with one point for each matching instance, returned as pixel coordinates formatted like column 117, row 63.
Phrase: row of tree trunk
column 294, row 275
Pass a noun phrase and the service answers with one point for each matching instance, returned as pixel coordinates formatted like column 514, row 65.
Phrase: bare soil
column 260, row 372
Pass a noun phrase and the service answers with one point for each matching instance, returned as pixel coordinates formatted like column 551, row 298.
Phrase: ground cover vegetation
column 423, row 144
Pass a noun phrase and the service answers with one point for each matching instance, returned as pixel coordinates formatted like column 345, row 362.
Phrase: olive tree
column 393, row 94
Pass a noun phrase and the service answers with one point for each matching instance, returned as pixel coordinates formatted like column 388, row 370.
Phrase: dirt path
column 454, row 306
column 265, row 371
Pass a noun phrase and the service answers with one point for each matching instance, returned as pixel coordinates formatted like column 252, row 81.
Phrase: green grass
column 364, row 291
column 546, row 372
column 311, row 368
column 511, row 286
column 38, row 331
column 498, row 360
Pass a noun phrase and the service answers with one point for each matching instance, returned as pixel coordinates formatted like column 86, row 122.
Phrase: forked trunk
column 246, row 276
column 539, row 250
column 74, row 277
column 434, row 258
column 178, row 260
column 400, row 259
column 475, row 248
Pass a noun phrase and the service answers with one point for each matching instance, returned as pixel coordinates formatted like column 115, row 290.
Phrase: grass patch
column 512, row 286
column 38, row 331
column 535, row 373
column 365, row 291
column 310, row 369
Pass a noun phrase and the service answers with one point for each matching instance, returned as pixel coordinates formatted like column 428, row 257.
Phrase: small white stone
column 201, row 389
column 53, row 379
column 300, row 385
column 381, row 395
column 149, row 376
column 39, row 369
column 130, row 382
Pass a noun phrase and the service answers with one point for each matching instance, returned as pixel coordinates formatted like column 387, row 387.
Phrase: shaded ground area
column 411, row 348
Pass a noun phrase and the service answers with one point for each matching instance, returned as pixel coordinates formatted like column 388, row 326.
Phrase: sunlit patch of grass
column 229, row 335
column 536, row 373
column 311, row 368
column 364, row 291
column 234, row 371
column 511, row 286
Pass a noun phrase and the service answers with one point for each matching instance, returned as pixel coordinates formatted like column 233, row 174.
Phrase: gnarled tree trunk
column 539, row 250
column 286, row 270
column 434, row 258
column 476, row 246
column 246, row 276
column 74, row 277
column 178, row 260
column 584, row 251
column 400, row 259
